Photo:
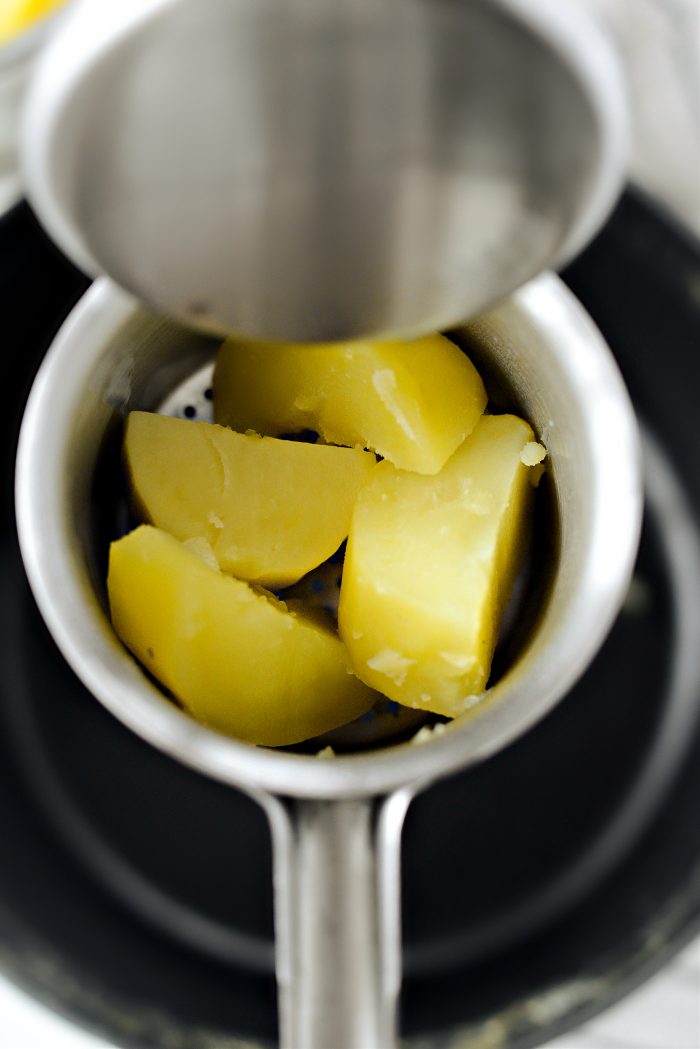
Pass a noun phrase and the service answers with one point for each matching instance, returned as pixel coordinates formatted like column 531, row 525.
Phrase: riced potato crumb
column 392, row 664
column 466, row 703
column 427, row 732
column 533, row 453
column 479, row 503
column 458, row 660
column 384, row 382
column 201, row 548
column 305, row 403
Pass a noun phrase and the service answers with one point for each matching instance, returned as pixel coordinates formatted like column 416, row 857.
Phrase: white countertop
column 664, row 1014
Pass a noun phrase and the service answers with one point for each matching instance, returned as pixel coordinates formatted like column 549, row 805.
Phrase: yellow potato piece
column 429, row 566
column 412, row 402
column 17, row 16
column 271, row 510
column 235, row 657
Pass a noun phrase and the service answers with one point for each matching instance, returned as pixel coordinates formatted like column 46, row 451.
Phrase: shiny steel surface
column 319, row 171
column 111, row 356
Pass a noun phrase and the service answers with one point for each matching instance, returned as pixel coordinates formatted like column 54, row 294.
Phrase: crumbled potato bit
column 533, row 453
column 428, row 732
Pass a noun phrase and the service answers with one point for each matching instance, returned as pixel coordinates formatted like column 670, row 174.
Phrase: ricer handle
column 337, row 920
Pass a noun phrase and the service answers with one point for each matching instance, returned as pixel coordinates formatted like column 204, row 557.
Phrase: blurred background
column 129, row 907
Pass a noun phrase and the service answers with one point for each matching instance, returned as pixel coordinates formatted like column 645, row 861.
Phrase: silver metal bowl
column 336, row 824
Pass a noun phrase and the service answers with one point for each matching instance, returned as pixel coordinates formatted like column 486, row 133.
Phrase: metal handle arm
column 337, row 908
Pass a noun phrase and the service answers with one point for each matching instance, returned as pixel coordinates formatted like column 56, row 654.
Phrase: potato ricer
column 318, row 171
column 310, row 171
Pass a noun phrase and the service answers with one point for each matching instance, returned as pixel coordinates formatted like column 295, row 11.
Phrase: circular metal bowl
column 523, row 925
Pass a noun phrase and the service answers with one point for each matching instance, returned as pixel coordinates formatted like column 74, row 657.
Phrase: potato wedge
column 429, row 566
column 412, row 402
column 235, row 657
column 271, row 510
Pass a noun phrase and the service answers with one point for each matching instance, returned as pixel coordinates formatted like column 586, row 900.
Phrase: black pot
column 540, row 887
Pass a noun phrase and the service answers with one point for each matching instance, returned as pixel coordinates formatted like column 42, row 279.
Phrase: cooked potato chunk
column 271, row 510
column 429, row 566
column 412, row 402
column 235, row 657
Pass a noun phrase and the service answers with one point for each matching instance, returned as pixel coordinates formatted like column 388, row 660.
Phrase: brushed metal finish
column 337, row 920
column 317, row 171
column 112, row 355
